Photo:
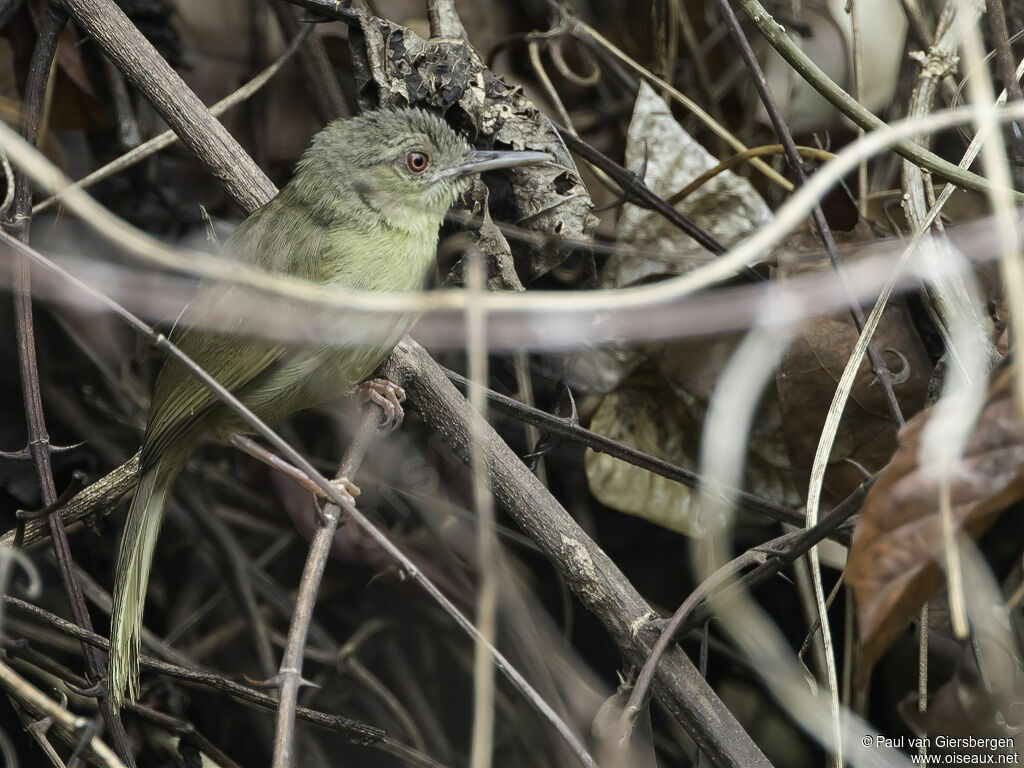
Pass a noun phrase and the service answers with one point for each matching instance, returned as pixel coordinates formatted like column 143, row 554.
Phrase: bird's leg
column 342, row 485
column 388, row 396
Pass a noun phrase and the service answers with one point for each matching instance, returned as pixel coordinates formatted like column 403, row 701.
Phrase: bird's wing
column 180, row 400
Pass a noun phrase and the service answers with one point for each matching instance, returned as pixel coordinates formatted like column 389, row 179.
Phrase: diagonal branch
column 589, row 572
column 354, row 731
column 290, row 674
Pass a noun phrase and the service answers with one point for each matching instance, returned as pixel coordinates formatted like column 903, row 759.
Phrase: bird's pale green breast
column 330, row 240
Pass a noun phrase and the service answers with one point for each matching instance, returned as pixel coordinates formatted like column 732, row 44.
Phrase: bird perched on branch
column 362, row 212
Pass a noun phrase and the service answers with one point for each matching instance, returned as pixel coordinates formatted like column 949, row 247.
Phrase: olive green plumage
column 362, row 212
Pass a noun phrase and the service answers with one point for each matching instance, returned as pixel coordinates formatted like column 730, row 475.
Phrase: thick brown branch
column 588, row 571
column 164, row 89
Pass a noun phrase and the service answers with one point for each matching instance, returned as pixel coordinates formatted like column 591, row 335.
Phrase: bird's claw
column 345, row 488
column 388, row 397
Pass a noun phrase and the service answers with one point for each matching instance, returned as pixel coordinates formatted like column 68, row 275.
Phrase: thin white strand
column 750, row 251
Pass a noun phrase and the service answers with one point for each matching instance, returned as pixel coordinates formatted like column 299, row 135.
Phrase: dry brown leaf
column 663, row 415
column 892, row 566
column 806, row 380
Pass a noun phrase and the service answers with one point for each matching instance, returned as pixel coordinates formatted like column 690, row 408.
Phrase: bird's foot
column 345, row 488
column 388, row 396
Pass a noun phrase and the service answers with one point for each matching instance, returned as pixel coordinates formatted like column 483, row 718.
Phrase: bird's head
column 405, row 165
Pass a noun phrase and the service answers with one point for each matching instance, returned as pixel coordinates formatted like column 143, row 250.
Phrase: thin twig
column 235, row 561
column 741, row 157
column 504, row 305
column 841, row 100
column 251, row 188
column 588, row 571
column 946, row 296
column 643, row 682
column 856, row 38
column 21, row 649
column 167, row 138
column 184, row 731
column 38, row 438
column 289, row 676
column 687, row 695
column 817, row 215
column 8, row 179
column 318, row 74
column 782, row 550
column 69, row 726
column 354, row 731
column 1004, row 54
column 347, row 663
column 569, row 430
column 102, row 495
column 533, row 50
column 994, row 161
column 174, row 101
column 482, row 747
column 637, row 192
column 874, row 356
column 838, row 520
column 580, row 27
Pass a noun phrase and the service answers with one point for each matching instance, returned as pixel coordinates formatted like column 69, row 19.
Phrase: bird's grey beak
column 490, row 160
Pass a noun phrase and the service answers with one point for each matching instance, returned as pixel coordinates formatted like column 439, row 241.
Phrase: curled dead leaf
column 812, row 365
column 893, row 566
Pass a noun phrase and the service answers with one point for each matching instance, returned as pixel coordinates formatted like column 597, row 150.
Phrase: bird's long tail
column 133, row 563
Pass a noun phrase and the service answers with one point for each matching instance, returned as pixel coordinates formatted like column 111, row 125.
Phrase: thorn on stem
column 25, row 454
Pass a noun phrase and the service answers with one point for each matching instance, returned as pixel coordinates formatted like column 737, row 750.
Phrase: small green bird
column 362, row 213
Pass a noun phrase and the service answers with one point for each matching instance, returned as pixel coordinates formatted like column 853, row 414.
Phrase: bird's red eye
column 417, row 161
